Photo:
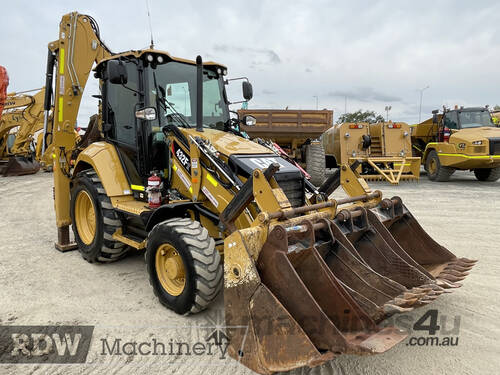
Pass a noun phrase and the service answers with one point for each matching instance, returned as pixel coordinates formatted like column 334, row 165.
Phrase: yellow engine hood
column 476, row 134
column 227, row 143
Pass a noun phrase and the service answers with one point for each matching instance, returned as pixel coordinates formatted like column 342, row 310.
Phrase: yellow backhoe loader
column 305, row 277
column 22, row 118
column 383, row 150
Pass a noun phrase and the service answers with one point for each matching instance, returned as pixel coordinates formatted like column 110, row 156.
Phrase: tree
column 360, row 116
column 496, row 108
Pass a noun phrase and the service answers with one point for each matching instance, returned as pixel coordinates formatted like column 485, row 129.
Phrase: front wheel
column 487, row 174
column 436, row 171
column 184, row 267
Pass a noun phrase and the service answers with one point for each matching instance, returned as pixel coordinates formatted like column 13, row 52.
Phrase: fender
column 171, row 210
column 103, row 158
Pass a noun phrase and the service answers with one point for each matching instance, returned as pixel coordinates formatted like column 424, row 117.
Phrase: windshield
column 474, row 119
column 176, row 84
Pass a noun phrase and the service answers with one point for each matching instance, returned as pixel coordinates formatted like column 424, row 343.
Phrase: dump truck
column 297, row 132
column 458, row 139
column 305, row 277
column 22, row 119
column 382, row 149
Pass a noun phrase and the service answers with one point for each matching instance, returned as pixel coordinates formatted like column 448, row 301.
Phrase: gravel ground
column 40, row 286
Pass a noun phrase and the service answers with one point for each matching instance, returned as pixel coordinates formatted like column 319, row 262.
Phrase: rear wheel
column 315, row 163
column 435, row 171
column 487, row 174
column 94, row 220
column 184, row 267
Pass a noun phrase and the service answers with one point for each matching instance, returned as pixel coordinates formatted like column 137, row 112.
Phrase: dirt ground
column 41, row 286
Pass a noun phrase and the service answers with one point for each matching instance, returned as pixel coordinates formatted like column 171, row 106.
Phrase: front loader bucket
column 18, row 166
column 309, row 288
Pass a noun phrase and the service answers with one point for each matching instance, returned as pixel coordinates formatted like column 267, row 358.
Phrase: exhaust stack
column 199, row 94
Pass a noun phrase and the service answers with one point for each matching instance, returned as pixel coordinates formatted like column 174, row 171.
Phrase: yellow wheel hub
column 85, row 217
column 170, row 269
column 433, row 166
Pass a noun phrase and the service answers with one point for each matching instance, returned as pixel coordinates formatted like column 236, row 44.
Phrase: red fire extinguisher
column 154, row 191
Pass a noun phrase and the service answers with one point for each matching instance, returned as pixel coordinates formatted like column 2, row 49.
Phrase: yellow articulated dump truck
column 383, row 150
column 297, row 132
column 305, row 277
column 459, row 139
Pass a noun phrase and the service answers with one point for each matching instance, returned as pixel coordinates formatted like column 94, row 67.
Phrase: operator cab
column 145, row 91
column 465, row 118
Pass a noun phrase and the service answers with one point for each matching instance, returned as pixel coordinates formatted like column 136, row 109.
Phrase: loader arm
column 69, row 62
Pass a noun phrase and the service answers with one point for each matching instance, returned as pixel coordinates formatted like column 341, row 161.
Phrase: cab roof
column 139, row 53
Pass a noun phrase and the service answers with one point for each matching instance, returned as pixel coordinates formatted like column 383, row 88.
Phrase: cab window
column 122, row 102
column 451, row 120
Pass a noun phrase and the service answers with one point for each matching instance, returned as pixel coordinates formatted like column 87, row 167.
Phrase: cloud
column 262, row 55
column 268, row 92
column 365, row 94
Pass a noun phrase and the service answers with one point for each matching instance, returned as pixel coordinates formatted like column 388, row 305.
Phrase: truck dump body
column 383, row 149
column 288, row 126
column 296, row 132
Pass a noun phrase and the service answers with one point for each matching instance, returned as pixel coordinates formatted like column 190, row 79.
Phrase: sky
column 340, row 55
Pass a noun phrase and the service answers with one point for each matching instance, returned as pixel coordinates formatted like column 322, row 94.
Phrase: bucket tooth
column 456, row 267
column 390, row 309
column 450, row 277
column 447, row 284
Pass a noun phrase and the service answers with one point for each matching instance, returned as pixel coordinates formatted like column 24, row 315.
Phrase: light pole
column 387, row 109
column 420, row 108
column 316, row 96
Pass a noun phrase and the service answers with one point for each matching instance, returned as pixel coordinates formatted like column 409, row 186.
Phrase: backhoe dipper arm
column 69, row 62
column 32, row 116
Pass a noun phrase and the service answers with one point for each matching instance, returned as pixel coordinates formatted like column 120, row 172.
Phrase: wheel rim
column 432, row 166
column 170, row 269
column 85, row 217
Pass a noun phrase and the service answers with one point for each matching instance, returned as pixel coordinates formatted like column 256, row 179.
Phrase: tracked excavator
column 305, row 277
column 22, row 119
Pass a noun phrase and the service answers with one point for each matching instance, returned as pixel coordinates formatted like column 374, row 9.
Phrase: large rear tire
column 184, row 267
column 487, row 174
column 94, row 220
column 315, row 163
column 435, row 171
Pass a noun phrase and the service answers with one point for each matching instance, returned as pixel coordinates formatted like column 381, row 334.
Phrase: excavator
column 305, row 277
column 23, row 112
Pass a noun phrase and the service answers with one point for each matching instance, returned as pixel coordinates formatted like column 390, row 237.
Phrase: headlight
column 476, row 143
column 160, row 59
column 402, row 153
column 347, row 135
column 354, row 154
column 219, row 71
column 149, row 58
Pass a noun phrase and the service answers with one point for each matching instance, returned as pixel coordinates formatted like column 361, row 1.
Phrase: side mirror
column 116, row 72
column 249, row 120
column 247, row 90
column 148, row 113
